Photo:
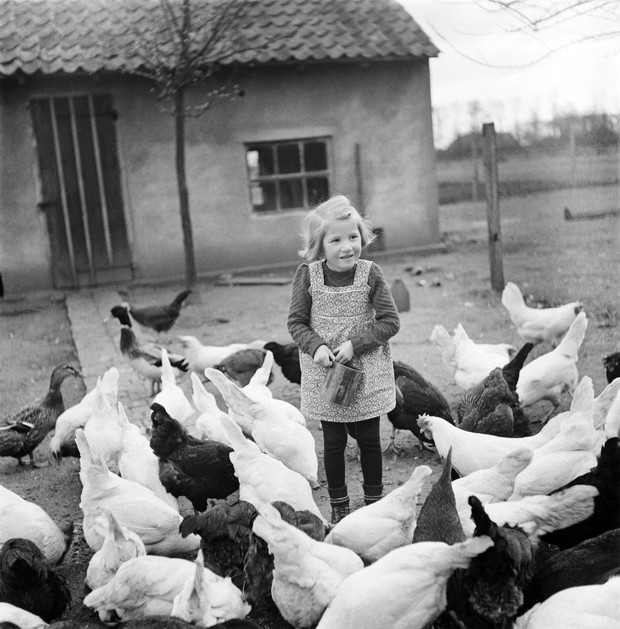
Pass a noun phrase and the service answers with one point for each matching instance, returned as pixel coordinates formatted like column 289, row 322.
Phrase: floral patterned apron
column 337, row 313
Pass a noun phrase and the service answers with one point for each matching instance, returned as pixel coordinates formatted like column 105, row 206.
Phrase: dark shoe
column 340, row 509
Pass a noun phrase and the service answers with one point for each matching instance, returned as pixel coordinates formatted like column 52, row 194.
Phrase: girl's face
column 342, row 244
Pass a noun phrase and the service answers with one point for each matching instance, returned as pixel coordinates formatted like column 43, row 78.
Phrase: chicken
column 438, row 519
column 241, row 365
column 158, row 317
column 535, row 325
column 405, row 589
column 306, row 572
column 200, row 356
column 376, row 529
column 593, row 561
column 22, row 518
column 25, row 430
column 611, row 362
column 13, row 617
column 263, row 479
column 189, row 467
column 62, row 442
column 142, row 586
column 576, row 608
column 119, row 545
column 28, row 581
column 207, row 599
column 208, row 423
column 274, row 433
column 134, row 507
column 415, row 396
column 171, row 396
column 287, row 358
column 146, row 362
column 550, row 375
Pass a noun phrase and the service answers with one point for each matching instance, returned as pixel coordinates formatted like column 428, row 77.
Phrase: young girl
column 342, row 310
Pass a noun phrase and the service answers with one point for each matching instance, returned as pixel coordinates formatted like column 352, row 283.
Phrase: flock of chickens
column 522, row 529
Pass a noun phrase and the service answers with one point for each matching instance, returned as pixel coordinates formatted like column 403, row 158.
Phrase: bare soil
column 554, row 261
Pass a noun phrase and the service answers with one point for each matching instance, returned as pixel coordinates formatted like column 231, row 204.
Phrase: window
column 289, row 175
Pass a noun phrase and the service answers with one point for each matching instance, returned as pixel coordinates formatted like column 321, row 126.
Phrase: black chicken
column 231, row 549
column 415, row 396
column 287, row 358
column 242, row 365
column 606, row 516
column 190, row 467
column 23, row 432
column 611, row 363
column 159, row 317
column 28, row 581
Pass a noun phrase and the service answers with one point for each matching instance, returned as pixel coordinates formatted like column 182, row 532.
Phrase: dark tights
column 366, row 433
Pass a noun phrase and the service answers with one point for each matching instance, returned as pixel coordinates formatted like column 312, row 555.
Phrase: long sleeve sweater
column 387, row 322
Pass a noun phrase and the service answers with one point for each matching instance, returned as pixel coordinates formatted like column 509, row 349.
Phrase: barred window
column 288, row 175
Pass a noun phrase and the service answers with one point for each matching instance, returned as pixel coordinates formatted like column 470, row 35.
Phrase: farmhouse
column 333, row 97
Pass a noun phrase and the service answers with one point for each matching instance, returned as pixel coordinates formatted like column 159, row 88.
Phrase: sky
column 512, row 75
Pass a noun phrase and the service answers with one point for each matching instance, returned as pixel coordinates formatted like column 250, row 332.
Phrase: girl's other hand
column 344, row 353
column 324, row 356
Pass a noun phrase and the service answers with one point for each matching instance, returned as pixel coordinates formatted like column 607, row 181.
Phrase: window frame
column 302, row 174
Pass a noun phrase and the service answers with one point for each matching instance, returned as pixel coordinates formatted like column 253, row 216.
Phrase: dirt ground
column 552, row 260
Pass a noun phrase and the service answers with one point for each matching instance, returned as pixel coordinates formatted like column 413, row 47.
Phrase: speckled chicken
column 28, row 581
column 24, row 431
column 415, row 396
column 287, row 358
column 242, row 365
column 158, row 317
column 190, row 467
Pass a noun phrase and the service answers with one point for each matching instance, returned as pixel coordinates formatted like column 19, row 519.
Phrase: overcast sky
column 580, row 78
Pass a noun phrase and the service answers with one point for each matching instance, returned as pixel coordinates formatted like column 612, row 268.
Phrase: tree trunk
column 186, row 221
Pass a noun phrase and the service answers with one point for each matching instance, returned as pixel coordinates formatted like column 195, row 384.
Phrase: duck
column 535, row 325
column 200, row 356
column 22, row 432
column 158, row 317
column 171, row 396
column 286, row 356
column 274, row 433
column 375, row 529
column 134, row 506
column 62, row 443
column 306, row 573
column 146, row 362
column 21, row 518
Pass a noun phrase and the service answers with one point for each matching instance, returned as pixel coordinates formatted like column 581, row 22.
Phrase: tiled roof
column 50, row 36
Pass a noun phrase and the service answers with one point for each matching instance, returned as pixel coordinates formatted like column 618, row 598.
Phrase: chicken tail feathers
column 484, row 524
column 182, row 296
column 511, row 370
column 512, row 298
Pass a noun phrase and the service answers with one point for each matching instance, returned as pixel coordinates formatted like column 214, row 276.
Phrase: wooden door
column 81, row 189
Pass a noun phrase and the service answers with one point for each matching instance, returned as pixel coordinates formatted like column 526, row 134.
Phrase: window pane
column 263, row 196
column 288, row 158
column 291, row 194
column 259, row 160
column 315, row 156
column 318, row 190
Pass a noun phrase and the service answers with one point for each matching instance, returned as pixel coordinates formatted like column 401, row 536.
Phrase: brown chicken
column 159, row 317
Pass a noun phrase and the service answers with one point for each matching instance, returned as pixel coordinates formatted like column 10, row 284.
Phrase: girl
column 342, row 310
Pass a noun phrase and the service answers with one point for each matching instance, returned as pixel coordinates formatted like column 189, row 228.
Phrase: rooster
column 535, row 325
column 188, row 466
column 158, row 317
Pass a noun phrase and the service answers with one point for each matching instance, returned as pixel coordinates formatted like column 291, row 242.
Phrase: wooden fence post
column 493, row 219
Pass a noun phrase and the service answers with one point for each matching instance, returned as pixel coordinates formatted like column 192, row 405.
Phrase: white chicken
column 535, row 325
column 142, row 586
column 134, row 507
column 77, row 415
column 119, row 545
column 306, row 573
column 22, row 518
column 550, row 375
column 208, row 599
column 376, row 529
column 538, row 515
column 275, row 434
column 201, row 356
column 171, row 395
column 577, row 608
column 405, row 589
column 209, row 421
column 12, row 616
column 263, row 479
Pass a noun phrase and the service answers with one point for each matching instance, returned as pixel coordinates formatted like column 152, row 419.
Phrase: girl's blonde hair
column 337, row 208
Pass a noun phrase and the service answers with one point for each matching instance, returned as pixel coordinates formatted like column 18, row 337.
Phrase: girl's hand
column 324, row 356
column 344, row 353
